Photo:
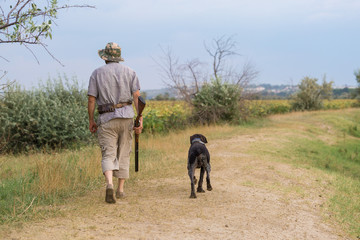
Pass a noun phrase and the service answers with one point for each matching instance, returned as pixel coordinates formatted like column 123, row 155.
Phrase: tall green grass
column 43, row 179
column 342, row 160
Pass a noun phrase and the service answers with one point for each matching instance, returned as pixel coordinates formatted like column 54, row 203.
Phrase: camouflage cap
column 112, row 52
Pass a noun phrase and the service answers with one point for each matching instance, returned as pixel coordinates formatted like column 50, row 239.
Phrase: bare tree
column 187, row 78
column 221, row 50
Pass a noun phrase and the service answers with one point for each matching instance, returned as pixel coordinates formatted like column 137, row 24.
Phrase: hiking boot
column 109, row 196
column 120, row 194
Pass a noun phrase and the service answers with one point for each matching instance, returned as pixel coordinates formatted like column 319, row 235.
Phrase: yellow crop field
column 162, row 116
column 340, row 103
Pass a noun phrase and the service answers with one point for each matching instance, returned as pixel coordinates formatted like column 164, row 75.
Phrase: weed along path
column 255, row 194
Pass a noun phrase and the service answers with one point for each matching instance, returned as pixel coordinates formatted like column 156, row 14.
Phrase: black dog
column 199, row 157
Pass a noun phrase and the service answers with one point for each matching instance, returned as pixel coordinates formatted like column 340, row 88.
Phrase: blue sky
column 284, row 40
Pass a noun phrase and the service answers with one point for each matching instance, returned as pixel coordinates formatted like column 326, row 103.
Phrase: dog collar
column 197, row 140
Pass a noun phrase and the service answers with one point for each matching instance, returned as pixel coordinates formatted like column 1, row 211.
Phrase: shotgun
column 141, row 106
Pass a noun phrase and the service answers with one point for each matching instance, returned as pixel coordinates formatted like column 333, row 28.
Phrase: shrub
column 357, row 75
column 311, row 94
column 54, row 115
column 217, row 101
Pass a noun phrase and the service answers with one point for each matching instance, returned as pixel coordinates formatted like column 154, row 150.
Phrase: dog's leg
column 191, row 171
column 208, row 170
column 201, row 179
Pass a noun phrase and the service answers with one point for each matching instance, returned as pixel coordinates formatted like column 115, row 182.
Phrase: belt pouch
column 108, row 107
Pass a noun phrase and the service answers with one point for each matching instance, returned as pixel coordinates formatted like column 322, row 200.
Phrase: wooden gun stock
column 141, row 106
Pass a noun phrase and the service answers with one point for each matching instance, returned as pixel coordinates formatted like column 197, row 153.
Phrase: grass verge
column 325, row 140
column 30, row 182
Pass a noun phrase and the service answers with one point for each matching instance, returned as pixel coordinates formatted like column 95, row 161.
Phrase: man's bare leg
column 120, row 188
column 109, row 177
column 109, row 196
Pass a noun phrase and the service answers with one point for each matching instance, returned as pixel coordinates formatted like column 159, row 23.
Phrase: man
column 113, row 87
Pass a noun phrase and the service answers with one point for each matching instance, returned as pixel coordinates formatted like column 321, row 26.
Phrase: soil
column 252, row 198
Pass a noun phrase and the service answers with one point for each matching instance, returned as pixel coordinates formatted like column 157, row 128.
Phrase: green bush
column 311, row 94
column 217, row 101
column 54, row 115
column 357, row 75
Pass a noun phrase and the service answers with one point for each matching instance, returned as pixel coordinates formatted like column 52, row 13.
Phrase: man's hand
column 92, row 126
column 139, row 129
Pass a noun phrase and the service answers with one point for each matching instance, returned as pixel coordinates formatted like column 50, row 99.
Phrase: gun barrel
column 141, row 106
column 136, row 156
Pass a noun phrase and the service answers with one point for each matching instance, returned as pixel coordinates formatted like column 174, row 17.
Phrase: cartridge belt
column 110, row 107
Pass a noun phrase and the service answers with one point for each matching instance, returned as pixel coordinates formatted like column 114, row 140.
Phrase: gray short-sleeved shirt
column 114, row 83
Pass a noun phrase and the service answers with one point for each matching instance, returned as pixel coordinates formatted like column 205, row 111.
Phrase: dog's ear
column 203, row 138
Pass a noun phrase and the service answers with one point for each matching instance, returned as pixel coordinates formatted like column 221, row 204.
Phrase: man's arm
column 136, row 102
column 91, row 110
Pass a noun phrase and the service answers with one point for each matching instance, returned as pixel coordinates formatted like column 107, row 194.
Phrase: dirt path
column 252, row 198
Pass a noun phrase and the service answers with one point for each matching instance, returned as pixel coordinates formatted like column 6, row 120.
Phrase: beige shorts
column 115, row 142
